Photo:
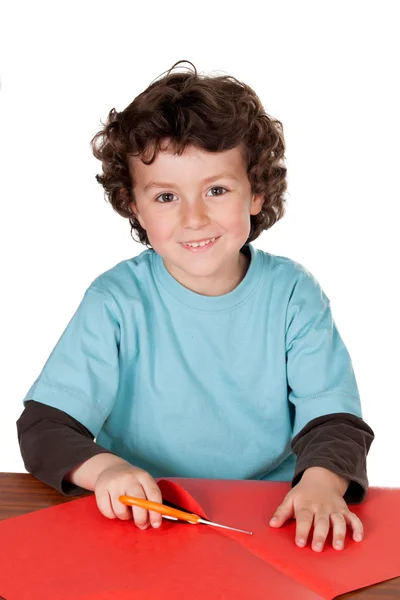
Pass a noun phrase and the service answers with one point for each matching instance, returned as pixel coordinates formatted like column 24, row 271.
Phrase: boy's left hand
column 318, row 500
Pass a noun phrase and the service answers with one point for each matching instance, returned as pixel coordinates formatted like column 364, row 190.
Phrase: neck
column 216, row 286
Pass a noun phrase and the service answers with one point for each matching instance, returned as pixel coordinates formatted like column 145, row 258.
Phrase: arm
column 59, row 450
column 340, row 443
column 80, row 378
column 331, row 456
column 330, row 471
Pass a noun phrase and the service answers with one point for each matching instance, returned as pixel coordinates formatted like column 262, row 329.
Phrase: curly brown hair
column 213, row 113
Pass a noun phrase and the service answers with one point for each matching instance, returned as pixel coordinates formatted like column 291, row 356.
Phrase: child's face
column 181, row 206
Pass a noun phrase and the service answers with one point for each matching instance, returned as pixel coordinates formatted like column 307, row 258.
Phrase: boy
column 202, row 356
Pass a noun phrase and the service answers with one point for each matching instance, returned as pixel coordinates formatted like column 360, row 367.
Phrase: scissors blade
column 224, row 526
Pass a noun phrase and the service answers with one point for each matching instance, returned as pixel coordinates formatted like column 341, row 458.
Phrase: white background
column 327, row 70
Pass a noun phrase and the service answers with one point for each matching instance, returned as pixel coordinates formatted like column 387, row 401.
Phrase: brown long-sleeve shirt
column 52, row 443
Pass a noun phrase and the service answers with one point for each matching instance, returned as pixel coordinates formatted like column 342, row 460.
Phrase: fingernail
column 318, row 546
column 339, row 544
column 273, row 520
column 156, row 525
column 301, row 542
column 358, row 537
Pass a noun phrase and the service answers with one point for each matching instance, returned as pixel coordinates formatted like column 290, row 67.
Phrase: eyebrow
column 159, row 184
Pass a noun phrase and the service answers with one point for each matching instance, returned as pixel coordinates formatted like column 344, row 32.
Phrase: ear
column 134, row 210
column 257, row 202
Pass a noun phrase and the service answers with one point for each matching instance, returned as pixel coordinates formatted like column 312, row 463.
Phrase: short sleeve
column 320, row 375
column 81, row 375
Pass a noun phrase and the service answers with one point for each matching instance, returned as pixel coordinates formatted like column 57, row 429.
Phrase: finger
column 140, row 515
column 304, row 518
column 103, row 502
column 339, row 530
column 358, row 529
column 121, row 511
column 282, row 513
column 321, row 530
column 153, row 494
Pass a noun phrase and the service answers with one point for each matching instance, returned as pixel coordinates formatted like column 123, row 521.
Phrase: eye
column 168, row 201
column 218, row 187
column 164, row 201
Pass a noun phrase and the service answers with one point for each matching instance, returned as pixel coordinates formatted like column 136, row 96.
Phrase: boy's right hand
column 125, row 479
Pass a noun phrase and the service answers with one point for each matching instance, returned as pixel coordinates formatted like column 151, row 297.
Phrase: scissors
column 173, row 513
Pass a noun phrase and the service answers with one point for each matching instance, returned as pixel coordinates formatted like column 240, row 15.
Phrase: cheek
column 158, row 227
column 237, row 219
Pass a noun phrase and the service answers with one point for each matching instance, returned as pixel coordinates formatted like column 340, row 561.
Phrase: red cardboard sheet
column 73, row 551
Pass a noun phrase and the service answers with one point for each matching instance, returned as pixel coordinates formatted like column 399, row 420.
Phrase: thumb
column 284, row 512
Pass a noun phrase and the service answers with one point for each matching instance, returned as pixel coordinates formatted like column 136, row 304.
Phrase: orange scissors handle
column 160, row 508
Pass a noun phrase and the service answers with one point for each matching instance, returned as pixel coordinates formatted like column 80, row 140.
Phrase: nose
column 194, row 214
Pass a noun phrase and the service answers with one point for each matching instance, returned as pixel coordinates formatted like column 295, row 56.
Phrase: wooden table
column 21, row 493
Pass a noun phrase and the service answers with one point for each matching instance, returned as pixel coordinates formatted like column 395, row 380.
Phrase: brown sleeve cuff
column 52, row 443
column 339, row 442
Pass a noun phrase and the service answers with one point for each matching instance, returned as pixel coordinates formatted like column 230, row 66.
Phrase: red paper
column 249, row 505
column 73, row 551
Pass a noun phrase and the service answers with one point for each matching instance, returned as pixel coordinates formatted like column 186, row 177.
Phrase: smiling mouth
column 199, row 244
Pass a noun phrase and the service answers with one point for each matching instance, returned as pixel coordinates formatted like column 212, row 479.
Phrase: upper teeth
column 195, row 244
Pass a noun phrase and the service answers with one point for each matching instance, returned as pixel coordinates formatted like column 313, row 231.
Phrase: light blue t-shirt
column 186, row 385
